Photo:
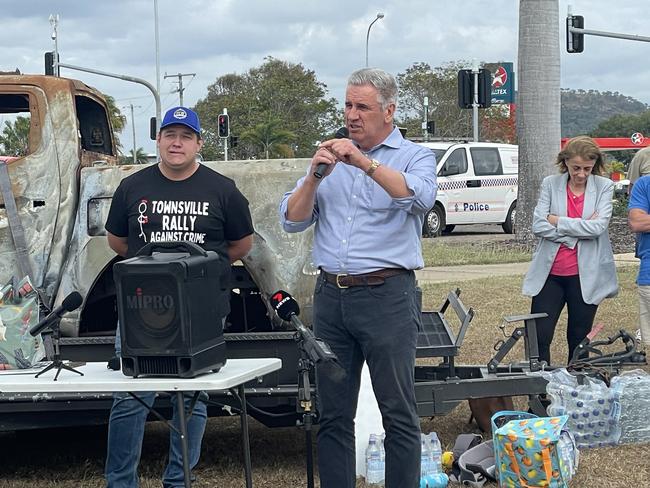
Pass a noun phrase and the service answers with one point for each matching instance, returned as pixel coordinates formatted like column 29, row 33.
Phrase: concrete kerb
column 443, row 274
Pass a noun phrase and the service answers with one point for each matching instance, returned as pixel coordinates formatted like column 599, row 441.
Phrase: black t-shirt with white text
column 206, row 209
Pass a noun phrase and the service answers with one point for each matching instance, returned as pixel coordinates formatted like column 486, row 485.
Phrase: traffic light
column 49, row 63
column 431, row 127
column 234, row 140
column 575, row 42
column 466, row 88
column 465, row 92
column 224, row 126
column 484, row 88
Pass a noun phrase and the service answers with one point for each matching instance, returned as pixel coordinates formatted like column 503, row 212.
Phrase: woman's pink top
column 566, row 260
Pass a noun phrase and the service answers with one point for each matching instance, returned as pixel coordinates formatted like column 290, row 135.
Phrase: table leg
column 180, row 406
column 245, row 438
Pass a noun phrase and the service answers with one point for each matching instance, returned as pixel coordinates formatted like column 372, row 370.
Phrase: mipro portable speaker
column 171, row 300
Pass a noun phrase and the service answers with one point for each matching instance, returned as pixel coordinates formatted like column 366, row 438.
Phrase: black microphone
column 318, row 351
column 71, row 302
column 342, row 133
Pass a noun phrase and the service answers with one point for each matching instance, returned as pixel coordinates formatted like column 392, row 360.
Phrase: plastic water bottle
column 374, row 463
column 569, row 454
column 382, row 457
column 592, row 408
column 435, row 453
column 438, row 480
column 633, row 388
column 426, row 464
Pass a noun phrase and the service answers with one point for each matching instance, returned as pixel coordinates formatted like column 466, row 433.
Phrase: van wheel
column 449, row 228
column 434, row 222
column 509, row 224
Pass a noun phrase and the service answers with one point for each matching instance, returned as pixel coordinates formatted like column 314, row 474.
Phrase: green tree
column 118, row 120
column 14, row 138
column 269, row 136
column 276, row 91
column 623, row 125
column 140, row 157
column 440, row 85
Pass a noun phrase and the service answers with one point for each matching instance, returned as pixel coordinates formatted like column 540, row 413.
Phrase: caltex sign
column 503, row 84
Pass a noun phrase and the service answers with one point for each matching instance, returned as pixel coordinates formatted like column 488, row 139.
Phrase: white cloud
column 212, row 38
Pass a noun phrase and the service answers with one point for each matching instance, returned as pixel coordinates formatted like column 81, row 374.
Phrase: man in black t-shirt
column 176, row 200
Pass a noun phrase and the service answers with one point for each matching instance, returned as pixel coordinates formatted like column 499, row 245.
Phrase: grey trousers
column 378, row 324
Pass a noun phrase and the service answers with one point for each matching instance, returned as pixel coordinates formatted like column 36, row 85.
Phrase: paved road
column 476, row 232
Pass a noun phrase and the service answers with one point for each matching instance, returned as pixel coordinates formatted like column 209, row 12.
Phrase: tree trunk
column 538, row 104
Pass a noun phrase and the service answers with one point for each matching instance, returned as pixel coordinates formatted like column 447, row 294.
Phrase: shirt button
column 343, row 241
column 349, row 219
column 354, row 196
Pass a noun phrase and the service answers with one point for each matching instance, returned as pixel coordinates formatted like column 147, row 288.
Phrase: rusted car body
column 63, row 185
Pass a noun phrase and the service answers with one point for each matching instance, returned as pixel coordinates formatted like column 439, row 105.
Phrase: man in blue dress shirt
column 368, row 211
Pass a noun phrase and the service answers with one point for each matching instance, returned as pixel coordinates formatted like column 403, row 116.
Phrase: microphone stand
column 55, row 336
column 304, row 405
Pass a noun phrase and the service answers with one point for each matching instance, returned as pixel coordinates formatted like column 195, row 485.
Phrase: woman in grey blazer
column 573, row 263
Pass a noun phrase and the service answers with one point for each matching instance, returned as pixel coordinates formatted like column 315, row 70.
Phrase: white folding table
column 97, row 378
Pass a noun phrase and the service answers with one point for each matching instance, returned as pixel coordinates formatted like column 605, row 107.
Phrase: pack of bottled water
column 375, row 461
column 431, row 473
column 633, row 390
column 593, row 408
column 431, row 454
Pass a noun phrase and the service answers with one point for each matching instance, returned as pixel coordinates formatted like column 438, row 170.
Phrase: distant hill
column 583, row 110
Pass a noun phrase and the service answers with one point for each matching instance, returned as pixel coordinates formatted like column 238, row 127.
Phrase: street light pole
column 426, row 119
column 158, row 109
column 379, row 16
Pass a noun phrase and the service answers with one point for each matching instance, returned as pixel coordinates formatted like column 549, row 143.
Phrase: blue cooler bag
column 531, row 451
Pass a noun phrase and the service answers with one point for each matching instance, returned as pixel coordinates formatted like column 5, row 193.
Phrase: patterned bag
column 19, row 313
column 531, row 451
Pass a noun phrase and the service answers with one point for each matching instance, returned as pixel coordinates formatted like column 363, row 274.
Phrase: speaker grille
column 160, row 365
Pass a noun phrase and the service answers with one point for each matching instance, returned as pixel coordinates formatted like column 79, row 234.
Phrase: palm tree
column 140, row 157
column 14, row 139
column 269, row 136
column 538, row 104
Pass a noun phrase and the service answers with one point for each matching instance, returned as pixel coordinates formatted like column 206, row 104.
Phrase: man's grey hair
column 382, row 81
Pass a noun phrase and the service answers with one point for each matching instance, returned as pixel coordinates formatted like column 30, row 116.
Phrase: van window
column 486, row 161
column 456, row 163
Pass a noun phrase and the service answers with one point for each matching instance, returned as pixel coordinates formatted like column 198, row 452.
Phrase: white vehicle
column 477, row 184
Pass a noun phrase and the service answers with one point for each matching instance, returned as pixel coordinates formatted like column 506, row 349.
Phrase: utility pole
column 135, row 159
column 180, row 89
column 54, row 22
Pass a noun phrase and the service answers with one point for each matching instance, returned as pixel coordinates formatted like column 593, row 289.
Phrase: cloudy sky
column 215, row 37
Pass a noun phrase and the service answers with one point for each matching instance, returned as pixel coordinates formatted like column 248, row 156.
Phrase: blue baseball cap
column 183, row 116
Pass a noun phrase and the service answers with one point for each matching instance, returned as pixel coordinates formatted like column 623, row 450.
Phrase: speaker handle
column 188, row 247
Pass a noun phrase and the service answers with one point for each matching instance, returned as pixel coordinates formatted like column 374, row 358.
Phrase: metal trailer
column 273, row 398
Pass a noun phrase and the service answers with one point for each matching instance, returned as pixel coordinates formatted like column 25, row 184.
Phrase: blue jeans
column 126, row 431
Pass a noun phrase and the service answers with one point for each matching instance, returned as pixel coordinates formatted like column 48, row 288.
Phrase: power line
column 180, row 88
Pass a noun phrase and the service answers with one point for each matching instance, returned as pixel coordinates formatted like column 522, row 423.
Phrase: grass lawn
column 437, row 253
column 74, row 458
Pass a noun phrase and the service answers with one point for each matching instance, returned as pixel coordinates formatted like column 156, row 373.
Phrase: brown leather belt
column 373, row 278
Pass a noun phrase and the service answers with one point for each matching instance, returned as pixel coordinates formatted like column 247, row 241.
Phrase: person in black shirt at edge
column 176, row 200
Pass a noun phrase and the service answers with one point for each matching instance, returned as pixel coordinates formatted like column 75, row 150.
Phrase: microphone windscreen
column 342, row 133
column 72, row 301
column 284, row 304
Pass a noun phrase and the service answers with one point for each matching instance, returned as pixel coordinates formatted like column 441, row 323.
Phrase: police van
column 477, row 184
